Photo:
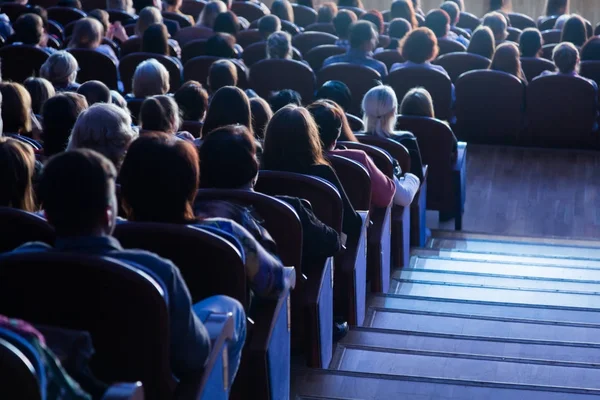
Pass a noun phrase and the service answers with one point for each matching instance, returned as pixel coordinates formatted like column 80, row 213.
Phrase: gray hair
column 279, row 45
column 150, row 78
column 60, row 68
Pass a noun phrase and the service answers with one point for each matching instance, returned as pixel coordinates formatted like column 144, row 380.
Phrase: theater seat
column 389, row 58
column 193, row 49
column 94, row 65
column 513, row 34
column 551, row 36
column 304, row 16
column 521, row 21
column 249, row 36
column 20, row 62
column 271, row 75
column 326, row 27
column 190, row 33
column 248, row 10
column 18, row 227
column 182, row 20
column 450, row 46
column 468, row 21
column 317, row 55
column 309, row 40
column 533, row 67
column 65, row 15
column 457, row 64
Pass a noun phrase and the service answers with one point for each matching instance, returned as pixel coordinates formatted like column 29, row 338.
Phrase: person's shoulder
column 142, row 258
column 334, row 59
column 354, row 154
column 397, row 66
column 31, row 247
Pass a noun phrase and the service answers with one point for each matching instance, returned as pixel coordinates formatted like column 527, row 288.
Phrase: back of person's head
column 77, row 193
column 40, row 90
column 17, row 165
column 438, row 21
column 283, row 9
column 452, row 10
column 220, row 74
column 590, row 51
column 227, row 22
column 228, row 3
column 117, row 99
column 566, row 57
column 327, row 12
column 557, row 7
column 60, row 69
column 460, row 4
column 417, row 102
column 376, row 18
column 482, row 42
column 506, row 59
column 209, row 13
column 282, row 98
column 139, row 5
column 150, row 78
column 269, row 24
column 159, row 179
column 363, row 35
column 419, row 46
column 161, row 114
column 105, row 128
column 228, row 158
column 306, row 3
column 29, row 29
column 156, row 40
column 42, row 13
column 399, row 28
column 329, row 121
column 121, row 5
column 561, row 21
column 574, row 31
column 87, row 34
column 279, row 45
column 336, row 91
column 379, row 107
column 342, row 22
column 500, row 5
column 404, row 9
column 102, row 17
column 59, row 116
column 95, row 92
column 192, row 100
column 221, row 45
column 16, row 108
column 261, row 114
column 69, row 3
column 498, row 24
column 531, row 42
column 228, row 106
column 148, row 16
column 292, row 141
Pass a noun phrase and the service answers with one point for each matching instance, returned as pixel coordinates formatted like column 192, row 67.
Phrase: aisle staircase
column 475, row 316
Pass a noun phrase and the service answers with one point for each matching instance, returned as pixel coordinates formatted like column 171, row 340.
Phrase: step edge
column 549, row 240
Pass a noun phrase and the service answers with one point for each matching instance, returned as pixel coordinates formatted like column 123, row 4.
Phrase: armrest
column 125, row 391
column 461, row 156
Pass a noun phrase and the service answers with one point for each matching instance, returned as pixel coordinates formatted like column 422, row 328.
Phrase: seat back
column 356, row 124
column 380, row 157
column 457, row 64
column 317, row 55
column 436, row 83
column 193, row 127
column 309, row 40
column 547, row 50
column 326, row 27
column 397, row 151
column 193, row 7
column 209, row 264
column 304, row 16
column 279, row 219
column 197, row 68
column 248, row 36
column 513, row 34
column 358, row 78
column 131, row 45
column 521, row 21
column 355, row 179
column 254, row 53
column 450, row 46
column 547, row 23
column 94, row 65
column 389, row 58
column 182, row 20
column 87, row 5
column 18, row 374
column 189, row 33
column 468, row 21
column 590, row 70
column 496, row 117
column 290, row 28
column 129, row 324
column 273, row 75
column 20, row 62
column 18, row 227
column 64, row 15
column 135, row 106
column 193, row 49
column 533, row 67
column 551, row 36
column 14, row 10
column 248, row 10
column 129, row 63
column 561, row 111
column 121, row 16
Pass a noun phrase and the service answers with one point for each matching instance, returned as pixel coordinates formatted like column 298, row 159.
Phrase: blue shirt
column 190, row 341
column 358, row 57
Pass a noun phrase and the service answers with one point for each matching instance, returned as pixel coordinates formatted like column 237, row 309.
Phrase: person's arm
column 406, row 189
column 382, row 187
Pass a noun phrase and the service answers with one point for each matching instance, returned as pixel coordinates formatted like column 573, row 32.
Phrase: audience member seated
column 506, row 59
column 29, row 30
column 118, row 100
column 498, row 23
column 439, row 23
column 160, row 114
column 227, row 22
column 330, row 119
column 209, row 13
column 350, row 3
column 104, row 128
column 77, row 192
column 220, row 74
column 174, row 7
column 283, row 98
column 148, row 17
column 419, row 48
column 417, row 7
column 341, row 23
column 363, row 40
column 17, row 166
column 268, row 24
column 453, row 11
column 561, row 21
column 279, row 45
column 283, row 9
column 530, row 43
column 17, row 116
column 482, row 42
column 156, row 41
column 327, row 12
column 376, row 18
column 499, row 5
column 120, row 5
column 590, row 51
column 95, row 92
column 88, row 35
column 566, row 59
column 192, row 100
column 574, row 31
column 261, row 115
column 40, row 90
column 150, row 78
column 336, row 91
column 404, row 9
column 223, row 45
column 115, row 31
column 61, row 70
column 554, row 8
column 380, row 105
column 399, row 28
column 228, row 106
column 292, row 144
column 59, row 115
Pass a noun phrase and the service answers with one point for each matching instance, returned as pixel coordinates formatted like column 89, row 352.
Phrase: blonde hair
column 105, row 128
column 60, row 68
column 87, row 34
column 279, row 45
column 379, row 110
column 417, row 102
column 209, row 13
column 148, row 16
column 150, row 78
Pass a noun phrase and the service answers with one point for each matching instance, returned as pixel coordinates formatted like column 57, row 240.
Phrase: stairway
column 475, row 316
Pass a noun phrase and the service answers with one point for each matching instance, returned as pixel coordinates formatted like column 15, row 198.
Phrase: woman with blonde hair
column 17, row 166
column 482, row 42
column 150, row 78
column 88, row 34
column 16, row 109
column 210, row 12
column 61, row 70
column 507, row 59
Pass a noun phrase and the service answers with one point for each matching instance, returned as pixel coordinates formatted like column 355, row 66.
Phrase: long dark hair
column 557, row 7
column 17, row 163
column 229, row 106
column 156, row 40
column 574, row 31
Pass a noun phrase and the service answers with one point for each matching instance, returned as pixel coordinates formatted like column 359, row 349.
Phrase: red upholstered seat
column 190, row 33
column 450, row 46
column 197, row 69
column 317, row 55
column 193, row 49
column 468, row 21
column 267, row 76
column 457, row 64
column 254, row 53
column 64, row 15
column 356, row 124
column 521, row 21
column 131, row 45
column 249, row 36
column 128, row 64
column 304, row 16
column 94, row 65
column 248, row 10
column 19, row 62
column 309, row 40
column 533, row 67
column 193, row 8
